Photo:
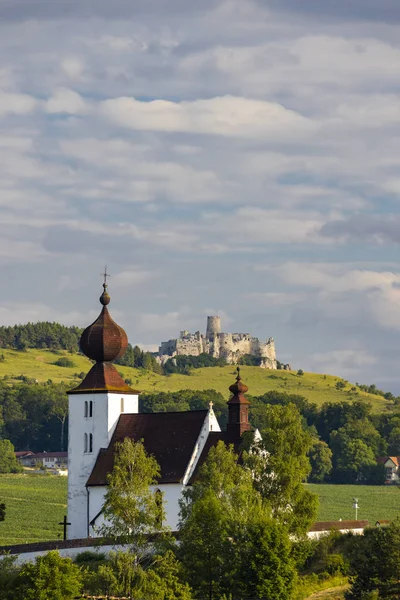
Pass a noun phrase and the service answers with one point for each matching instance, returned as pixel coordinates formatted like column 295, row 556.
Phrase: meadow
column 36, row 504
column 318, row 388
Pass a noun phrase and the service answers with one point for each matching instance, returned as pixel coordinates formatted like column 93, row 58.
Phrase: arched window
column 86, row 408
column 90, row 409
column 122, row 405
column 90, row 442
column 85, row 442
column 159, row 504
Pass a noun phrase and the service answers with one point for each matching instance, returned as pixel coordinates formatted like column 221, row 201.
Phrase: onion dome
column 104, row 340
column 238, row 387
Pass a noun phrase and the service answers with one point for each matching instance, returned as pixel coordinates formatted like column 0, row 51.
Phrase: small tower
column 94, row 409
column 238, row 408
column 213, row 327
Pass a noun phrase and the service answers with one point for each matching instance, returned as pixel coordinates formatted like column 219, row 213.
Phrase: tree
column 281, row 464
column 229, row 541
column 8, row 461
column 50, row 577
column 375, row 564
column 2, row 511
column 131, row 509
column 320, row 456
column 351, row 458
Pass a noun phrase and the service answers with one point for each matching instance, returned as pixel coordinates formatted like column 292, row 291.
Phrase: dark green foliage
column 185, row 400
column 50, row 577
column 35, row 416
column 64, row 361
column 183, row 364
column 375, row 563
column 2, row 511
column 135, row 357
column 320, row 456
column 8, row 462
column 250, row 360
column 300, row 372
column 40, row 335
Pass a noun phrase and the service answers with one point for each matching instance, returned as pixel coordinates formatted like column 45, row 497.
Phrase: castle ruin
column 229, row 346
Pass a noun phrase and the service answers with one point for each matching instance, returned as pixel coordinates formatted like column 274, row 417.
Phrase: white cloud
column 225, row 115
column 66, row 101
column 16, row 104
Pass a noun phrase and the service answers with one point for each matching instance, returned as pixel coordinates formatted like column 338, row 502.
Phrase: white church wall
column 171, row 495
column 210, row 424
column 92, row 420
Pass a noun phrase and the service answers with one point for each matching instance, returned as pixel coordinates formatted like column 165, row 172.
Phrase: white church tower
column 94, row 410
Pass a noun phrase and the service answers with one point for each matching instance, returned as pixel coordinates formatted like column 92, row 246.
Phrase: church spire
column 104, row 342
column 238, row 407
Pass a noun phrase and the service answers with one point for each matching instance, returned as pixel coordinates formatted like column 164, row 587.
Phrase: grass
column 375, row 502
column 310, row 587
column 35, row 504
column 39, row 364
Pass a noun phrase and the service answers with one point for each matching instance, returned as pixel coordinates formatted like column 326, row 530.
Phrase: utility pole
column 355, row 505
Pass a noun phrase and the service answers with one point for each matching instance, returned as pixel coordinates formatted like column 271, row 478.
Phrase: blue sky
column 223, row 157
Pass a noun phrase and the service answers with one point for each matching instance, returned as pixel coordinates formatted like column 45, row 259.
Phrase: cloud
column 16, row 104
column 372, row 228
column 66, row 101
column 226, row 115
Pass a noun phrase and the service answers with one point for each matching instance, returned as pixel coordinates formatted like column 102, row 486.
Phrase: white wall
column 105, row 414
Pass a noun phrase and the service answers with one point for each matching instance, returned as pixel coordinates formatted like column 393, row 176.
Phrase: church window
column 85, row 438
column 159, row 504
column 90, row 442
column 90, row 409
column 86, row 408
column 122, row 405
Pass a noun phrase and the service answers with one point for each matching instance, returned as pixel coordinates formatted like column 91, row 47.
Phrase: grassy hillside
column 39, row 364
column 35, row 504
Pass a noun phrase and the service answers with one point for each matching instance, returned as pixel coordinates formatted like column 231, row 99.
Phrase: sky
column 226, row 157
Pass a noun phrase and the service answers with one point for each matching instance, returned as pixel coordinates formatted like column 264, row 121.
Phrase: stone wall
column 230, row 346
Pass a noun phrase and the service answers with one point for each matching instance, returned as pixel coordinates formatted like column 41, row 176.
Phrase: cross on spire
column 105, row 275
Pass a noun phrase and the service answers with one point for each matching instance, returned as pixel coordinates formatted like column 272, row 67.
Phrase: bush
column 89, row 556
column 64, row 361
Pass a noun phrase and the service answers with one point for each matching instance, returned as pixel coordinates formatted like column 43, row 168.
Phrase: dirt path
column 335, row 593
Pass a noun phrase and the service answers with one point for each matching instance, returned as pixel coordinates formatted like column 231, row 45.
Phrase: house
column 391, row 464
column 321, row 528
column 104, row 410
column 25, row 457
column 50, row 460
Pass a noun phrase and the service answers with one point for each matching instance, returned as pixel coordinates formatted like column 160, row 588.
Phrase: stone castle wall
column 229, row 346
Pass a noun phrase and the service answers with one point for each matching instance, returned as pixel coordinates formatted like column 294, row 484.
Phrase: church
column 104, row 410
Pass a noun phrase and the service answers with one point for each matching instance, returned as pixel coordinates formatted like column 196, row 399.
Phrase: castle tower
column 94, row 409
column 213, row 327
column 238, row 407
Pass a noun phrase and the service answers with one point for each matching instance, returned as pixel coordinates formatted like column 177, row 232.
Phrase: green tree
column 320, row 456
column 375, row 564
column 50, row 577
column 281, row 464
column 131, row 509
column 351, row 458
column 230, row 544
column 2, row 511
column 8, row 462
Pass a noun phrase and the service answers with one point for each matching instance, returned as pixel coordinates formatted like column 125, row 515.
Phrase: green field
column 375, row 502
column 38, row 364
column 35, row 504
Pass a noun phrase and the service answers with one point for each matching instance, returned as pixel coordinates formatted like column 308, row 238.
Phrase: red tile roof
column 169, row 437
column 23, row 453
column 382, row 459
column 103, row 377
column 338, row 525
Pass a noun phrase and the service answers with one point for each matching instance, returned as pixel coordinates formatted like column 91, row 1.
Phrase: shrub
column 64, row 361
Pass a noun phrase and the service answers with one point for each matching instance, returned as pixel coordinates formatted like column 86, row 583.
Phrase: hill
column 39, row 365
